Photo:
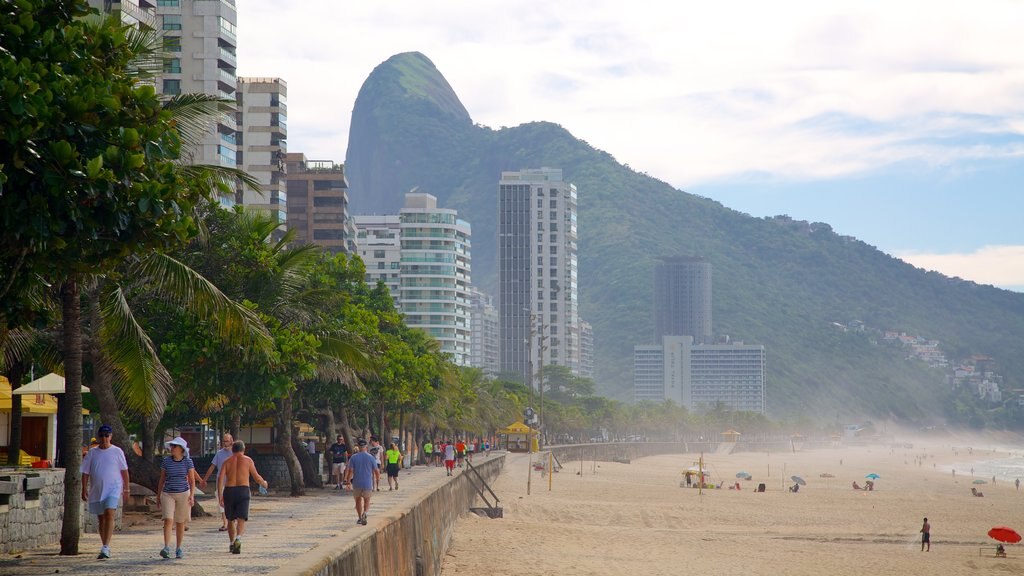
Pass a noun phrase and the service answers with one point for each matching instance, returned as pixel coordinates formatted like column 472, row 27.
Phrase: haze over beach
column 896, row 124
column 635, row 518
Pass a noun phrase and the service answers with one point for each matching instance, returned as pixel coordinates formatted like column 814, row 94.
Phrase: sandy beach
column 635, row 519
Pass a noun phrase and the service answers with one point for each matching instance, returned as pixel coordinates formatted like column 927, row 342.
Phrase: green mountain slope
column 776, row 281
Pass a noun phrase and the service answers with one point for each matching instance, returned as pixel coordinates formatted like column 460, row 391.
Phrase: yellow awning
column 32, row 404
column 517, row 428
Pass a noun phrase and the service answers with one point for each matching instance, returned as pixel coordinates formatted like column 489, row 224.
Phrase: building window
column 540, row 260
column 554, row 250
column 554, row 260
column 554, row 237
column 172, row 65
column 553, row 215
column 540, row 226
column 172, row 22
column 324, row 201
column 554, row 272
column 540, row 282
column 540, row 295
column 554, row 329
column 540, row 238
column 172, row 87
column 395, row 265
column 554, row 226
column 554, row 294
column 328, row 234
column 553, row 204
column 540, row 203
column 168, row 3
column 378, row 253
column 172, row 43
column 554, row 318
column 380, row 266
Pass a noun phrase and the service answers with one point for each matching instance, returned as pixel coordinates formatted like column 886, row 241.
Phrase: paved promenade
column 280, row 529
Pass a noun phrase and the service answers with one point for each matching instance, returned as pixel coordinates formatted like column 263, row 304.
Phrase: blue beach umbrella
column 743, row 475
column 872, row 476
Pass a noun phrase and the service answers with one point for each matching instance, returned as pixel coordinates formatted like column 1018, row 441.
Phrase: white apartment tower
column 199, row 43
column 537, row 272
column 262, row 147
column 430, row 279
column 483, row 342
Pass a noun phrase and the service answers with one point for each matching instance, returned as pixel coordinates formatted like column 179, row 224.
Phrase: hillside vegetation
column 777, row 281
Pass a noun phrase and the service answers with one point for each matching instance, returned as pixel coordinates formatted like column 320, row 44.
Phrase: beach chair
column 760, row 487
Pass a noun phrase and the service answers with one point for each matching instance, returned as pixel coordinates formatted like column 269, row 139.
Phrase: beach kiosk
column 517, row 437
column 38, row 421
column 731, row 436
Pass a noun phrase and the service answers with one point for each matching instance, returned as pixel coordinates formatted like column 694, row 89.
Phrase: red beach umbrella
column 1004, row 534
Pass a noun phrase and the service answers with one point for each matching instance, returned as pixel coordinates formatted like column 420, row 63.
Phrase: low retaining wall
column 409, row 542
column 610, row 451
column 31, row 508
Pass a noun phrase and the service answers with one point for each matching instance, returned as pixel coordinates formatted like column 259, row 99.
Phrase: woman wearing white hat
column 177, row 489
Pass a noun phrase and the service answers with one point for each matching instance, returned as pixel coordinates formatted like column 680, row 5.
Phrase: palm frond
column 184, row 287
column 140, row 381
column 343, row 347
column 146, row 45
column 222, row 178
column 195, row 115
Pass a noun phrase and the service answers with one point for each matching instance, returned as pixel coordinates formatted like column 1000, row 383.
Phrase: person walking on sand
column 177, row 493
column 218, row 460
column 104, row 481
column 926, row 536
column 393, row 458
column 449, row 457
column 1017, row 483
column 234, row 499
column 362, row 472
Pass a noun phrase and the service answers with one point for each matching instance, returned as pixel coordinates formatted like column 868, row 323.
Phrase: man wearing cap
column 363, row 472
column 104, row 480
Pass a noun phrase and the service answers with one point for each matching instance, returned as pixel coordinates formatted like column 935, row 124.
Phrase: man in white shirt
column 218, row 460
column 104, row 480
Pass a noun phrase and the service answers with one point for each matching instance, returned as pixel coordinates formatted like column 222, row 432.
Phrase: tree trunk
column 236, row 424
column 310, row 475
column 15, row 376
column 346, row 429
column 284, row 444
column 72, row 418
column 330, row 424
column 149, row 425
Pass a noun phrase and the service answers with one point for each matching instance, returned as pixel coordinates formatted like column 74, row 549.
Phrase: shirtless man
column 234, row 476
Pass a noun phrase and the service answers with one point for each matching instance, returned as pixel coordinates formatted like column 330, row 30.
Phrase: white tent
column 49, row 384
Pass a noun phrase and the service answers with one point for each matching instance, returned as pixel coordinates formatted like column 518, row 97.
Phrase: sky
column 899, row 123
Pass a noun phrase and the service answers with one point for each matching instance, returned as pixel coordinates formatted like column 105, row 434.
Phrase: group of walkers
column 105, row 480
column 452, row 454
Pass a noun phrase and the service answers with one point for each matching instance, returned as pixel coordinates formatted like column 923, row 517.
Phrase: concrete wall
column 408, row 542
column 33, row 519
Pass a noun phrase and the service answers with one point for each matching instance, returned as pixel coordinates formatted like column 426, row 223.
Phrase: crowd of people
column 358, row 469
column 105, row 480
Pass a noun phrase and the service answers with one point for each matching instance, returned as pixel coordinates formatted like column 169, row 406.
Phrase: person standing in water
column 926, row 536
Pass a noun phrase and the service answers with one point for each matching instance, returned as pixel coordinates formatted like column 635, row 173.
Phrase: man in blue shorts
column 363, row 472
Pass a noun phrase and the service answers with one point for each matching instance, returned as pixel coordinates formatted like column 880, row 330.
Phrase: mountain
column 778, row 282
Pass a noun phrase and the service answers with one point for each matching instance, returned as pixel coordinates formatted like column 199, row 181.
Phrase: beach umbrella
column 980, row 481
column 695, row 470
column 798, row 480
column 872, row 476
column 1004, row 534
column 743, row 475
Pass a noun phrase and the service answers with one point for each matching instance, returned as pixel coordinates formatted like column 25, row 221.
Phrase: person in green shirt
column 393, row 460
column 428, row 451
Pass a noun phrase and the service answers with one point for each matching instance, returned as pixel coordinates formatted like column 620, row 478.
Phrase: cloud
column 689, row 92
column 1001, row 266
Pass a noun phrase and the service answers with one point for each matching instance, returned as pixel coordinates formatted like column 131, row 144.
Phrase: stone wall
column 409, row 542
column 31, row 508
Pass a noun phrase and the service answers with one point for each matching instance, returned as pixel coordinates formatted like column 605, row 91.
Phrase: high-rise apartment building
column 199, row 41
column 537, row 272
column 586, row 349
column 317, row 196
column 700, row 375
column 682, row 298
column 483, row 341
column 424, row 257
column 262, row 135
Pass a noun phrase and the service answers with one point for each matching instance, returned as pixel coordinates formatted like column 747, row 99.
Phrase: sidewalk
column 280, row 528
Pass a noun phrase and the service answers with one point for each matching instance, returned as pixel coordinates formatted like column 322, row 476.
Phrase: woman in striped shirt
column 177, row 488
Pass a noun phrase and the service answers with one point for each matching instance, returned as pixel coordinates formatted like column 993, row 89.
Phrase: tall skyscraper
column 317, row 194
column 682, row 298
column 431, row 278
column 483, row 342
column 199, row 38
column 262, row 136
column 537, row 271
column 586, row 349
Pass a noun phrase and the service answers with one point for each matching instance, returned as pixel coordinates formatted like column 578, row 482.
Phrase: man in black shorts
column 234, row 476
